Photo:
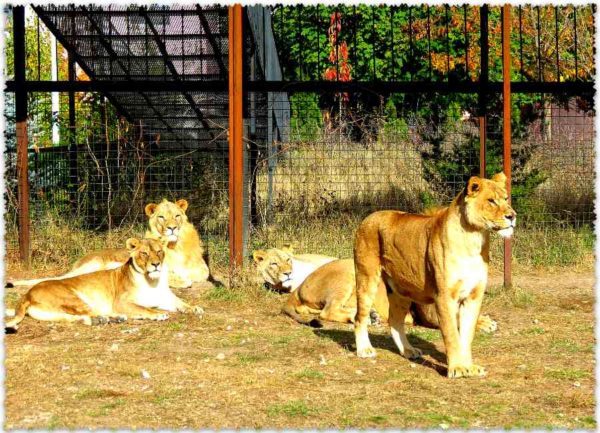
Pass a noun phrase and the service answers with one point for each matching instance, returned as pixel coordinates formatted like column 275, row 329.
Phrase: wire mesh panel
column 337, row 167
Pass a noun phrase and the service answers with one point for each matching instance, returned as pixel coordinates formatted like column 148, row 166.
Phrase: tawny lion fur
column 283, row 270
column 136, row 290
column 330, row 292
column 167, row 222
column 441, row 259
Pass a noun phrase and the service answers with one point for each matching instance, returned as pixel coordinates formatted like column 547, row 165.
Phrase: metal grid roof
column 178, row 43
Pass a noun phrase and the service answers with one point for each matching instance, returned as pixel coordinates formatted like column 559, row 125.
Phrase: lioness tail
column 20, row 312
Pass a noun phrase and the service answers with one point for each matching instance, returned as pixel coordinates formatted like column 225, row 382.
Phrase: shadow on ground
column 384, row 342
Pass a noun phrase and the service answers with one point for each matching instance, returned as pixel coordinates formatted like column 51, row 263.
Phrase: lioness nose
column 510, row 216
column 156, row 264
column 172, row 228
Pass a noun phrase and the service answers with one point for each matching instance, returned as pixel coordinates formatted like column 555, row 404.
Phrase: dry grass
column 333, row 174
column 245, row 365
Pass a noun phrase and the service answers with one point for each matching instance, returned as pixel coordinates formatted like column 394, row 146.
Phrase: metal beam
column 72, row 52
column 211, row 39
column 109, row 49
column 506, row 132
column 163, row 50
column 576, row 87
column 236, row 126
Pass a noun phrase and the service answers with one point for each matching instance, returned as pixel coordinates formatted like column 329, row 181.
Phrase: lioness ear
column 149, row 209
column 132, row 243
column 182, row 203
column 288, row 248
column 500, row 178
column 259, row 256
column 473, row 185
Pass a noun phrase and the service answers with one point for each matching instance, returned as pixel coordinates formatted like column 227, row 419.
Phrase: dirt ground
column 244, row 365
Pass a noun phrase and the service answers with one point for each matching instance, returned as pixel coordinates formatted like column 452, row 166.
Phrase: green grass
column 565, row 345
column 566, row 374
column 536, row 330
column 377, row 419
column 248, row 358
column 93, row 393
column 175, row 326
column 221, row 293
column 164, row 397
column 426, row 334
column 519, row 297
column 106, row 408
column 309, row 373
column 292, row 409
column 53, row 423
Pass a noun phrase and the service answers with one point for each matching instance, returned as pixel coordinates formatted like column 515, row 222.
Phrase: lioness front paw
column 366, row 352
column 117, row 319
column 412, row 353
column 197, row 310
column 472, row 370
column 159, row 317
column 486, row 324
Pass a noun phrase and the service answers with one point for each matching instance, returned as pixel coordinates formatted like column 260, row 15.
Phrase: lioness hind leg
column 40, row 313
column 335, row 312
column 399, row 306
column 366, row 288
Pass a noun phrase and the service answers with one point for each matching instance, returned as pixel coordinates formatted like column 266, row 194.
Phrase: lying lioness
column 283, row 270
column 136, row 290
column 441, row 258
column 167, row 222
column 330, row 291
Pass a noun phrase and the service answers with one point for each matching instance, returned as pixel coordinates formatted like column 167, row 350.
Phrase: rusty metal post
column 236, row 185
column 21, row 133
column 483, row 86
column 506, row 98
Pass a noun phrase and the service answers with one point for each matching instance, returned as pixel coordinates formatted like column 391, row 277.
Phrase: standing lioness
column 132, row 291
column 441, row 258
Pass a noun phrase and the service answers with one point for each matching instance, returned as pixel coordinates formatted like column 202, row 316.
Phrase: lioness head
column 274, row 266
column 167, row 218
column 486, row 205
column 147, row 256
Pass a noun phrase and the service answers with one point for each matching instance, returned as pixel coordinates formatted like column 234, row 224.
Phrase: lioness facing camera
column 136, row 290
column 440, row 258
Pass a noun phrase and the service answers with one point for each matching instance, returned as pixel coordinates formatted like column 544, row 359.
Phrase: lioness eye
column 177, row 216
column 161, row 217
column 144, row 254
column 273, row 264
column 492, row 201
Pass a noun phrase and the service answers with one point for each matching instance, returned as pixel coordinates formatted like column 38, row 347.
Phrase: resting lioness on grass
column 330, row 292
column 184, row 253
column 136, row 290
column 441, row 258
column 284, row 271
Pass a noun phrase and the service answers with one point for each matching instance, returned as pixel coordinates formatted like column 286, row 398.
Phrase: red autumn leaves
column 340, row 70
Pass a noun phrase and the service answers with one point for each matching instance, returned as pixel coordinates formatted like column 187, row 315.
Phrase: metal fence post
column 506, row 98
column 21, row 133
column 483, row 86
column 236, row 128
